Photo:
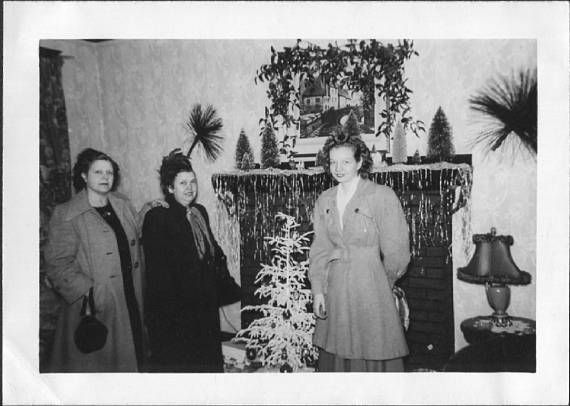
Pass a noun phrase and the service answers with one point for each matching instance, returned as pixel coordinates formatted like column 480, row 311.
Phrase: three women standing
column 361, row 248
column 93, row 243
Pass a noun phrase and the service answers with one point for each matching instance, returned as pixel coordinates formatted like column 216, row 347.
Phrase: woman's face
column 100, row 177
column 184, row 188
column 344, row 167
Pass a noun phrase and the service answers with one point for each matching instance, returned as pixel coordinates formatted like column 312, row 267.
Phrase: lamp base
column 501, row 320
column 499, row 297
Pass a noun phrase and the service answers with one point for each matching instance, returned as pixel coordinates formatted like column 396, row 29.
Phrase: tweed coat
column 82, row 252
column 355, row 268
column 182, row 303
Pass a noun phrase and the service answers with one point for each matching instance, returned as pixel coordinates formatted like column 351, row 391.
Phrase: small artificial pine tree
column 246, row 162
column 351, row 127
column 242, row 148
column 417, row 159
column 400, row 147
column 269, row 149
column 440, row 141
column 283, row 335
column 320, row 158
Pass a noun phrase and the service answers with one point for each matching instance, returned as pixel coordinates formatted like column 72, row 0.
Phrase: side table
column 496, row 349
column 480, row 329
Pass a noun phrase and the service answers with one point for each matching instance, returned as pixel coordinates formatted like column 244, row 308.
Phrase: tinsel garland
column 252, row 199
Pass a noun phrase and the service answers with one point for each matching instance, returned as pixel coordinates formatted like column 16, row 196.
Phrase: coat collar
column 174, row 205
column 79, row 204
column 361, row 189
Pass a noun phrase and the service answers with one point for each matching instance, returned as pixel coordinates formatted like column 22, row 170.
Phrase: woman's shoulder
column 156, row 215
column 379, row 191
column 327, row 194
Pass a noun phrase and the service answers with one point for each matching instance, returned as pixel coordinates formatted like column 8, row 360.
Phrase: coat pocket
column 363, row 225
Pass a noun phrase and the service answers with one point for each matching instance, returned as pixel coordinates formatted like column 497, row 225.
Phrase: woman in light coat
column 93, row 243
column 361, row 248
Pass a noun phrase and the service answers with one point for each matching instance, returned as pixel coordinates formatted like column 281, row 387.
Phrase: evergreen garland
column 269, row 149
column 242, row 148
column 440, row 142
column 369, row 66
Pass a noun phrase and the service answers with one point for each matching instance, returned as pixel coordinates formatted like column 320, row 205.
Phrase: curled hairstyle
column 172, row 165
column 359, row 148
column 84, row 161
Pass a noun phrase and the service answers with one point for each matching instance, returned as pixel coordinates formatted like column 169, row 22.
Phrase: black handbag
column 90, row 335
column 228, row 290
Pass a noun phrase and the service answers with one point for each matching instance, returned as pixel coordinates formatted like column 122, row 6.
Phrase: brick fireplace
column 427, row 194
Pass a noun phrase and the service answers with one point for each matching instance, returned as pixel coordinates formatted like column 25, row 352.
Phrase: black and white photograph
column 285, row 203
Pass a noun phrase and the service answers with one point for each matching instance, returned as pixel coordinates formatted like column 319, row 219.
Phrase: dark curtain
column 55, row 178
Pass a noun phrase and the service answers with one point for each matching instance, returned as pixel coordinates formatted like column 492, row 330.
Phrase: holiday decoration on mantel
column 204, row 126
column 367, row 66
column 282, row 336
column 400, row 146
column 247, row 162
column 263, row 190
column 243, row 147
column 269, row 149
column 440, row 141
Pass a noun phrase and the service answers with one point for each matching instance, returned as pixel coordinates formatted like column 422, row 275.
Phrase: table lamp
column 493, row 266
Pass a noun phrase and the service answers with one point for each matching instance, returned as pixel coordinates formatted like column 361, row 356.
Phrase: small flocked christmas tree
column 400, row 146
column 440, row 141
column 282, row 337
column 320, row 158
column 242, row 148
column 246, row 162
column 269, row 149
column 417, row 159
column 351, row 127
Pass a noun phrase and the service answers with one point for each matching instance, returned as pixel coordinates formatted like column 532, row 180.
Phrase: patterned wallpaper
column 446, row 73
column 130, row 98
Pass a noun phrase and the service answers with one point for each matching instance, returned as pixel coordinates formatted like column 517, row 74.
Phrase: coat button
column 136, row 265
column 133, row 242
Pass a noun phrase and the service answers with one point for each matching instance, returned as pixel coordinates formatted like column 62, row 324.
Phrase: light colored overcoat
column 82, row 252
column 356, row 268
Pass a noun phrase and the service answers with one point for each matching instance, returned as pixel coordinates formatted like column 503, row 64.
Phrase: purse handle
column 88, row 306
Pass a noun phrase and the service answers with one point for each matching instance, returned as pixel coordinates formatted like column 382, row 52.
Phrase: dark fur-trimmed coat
column 182, row 304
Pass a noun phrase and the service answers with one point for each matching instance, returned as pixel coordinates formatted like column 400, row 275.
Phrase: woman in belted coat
column 360, row 249
column 181, row 256
column 93, row 243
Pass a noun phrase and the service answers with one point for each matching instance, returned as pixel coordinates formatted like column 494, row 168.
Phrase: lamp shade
column 492, row 262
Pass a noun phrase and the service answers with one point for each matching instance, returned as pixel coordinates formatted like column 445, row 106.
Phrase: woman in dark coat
column 361, row 248
column 93, row 243
column 181, row 257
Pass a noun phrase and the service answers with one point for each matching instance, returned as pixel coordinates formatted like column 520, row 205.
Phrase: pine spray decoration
column 283, row 335
column 204, row 126
column 242, row 148
column 269, row 148
column 440, row 141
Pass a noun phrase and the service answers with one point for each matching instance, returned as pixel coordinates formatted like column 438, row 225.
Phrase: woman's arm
column 161, row 293
column 394, row 235
column 320, row 250
column 62, row 267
